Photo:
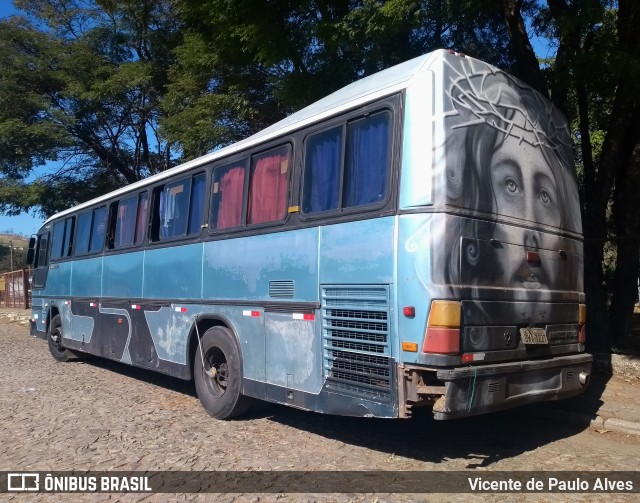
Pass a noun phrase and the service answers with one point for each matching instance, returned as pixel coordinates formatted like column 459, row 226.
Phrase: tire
column 54, row 339
column 220, row 394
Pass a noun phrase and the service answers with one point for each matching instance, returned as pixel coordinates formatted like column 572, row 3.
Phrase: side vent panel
column 281, row 289
column 355, row 332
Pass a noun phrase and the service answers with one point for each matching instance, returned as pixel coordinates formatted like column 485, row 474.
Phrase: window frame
column 247, row 158
column 68, row 231
column 113, row 220
column 92, row 211
column 386, row 106
column 154, row 221
column 245, row 161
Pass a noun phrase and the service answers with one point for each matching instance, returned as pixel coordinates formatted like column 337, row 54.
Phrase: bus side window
column 322, row 171
column 128, row 221
column 98, row 229
column 227, row 193
column 268, row 186
column 83, row 233
column 196, row 205
column 179, row 208
column 367, row 160
column 362, row 169
column 57, row 240
column 91, row 231
column 141, row 219
column 61, row 239
column 125, row 222
column 68, row 233
column 43, row 248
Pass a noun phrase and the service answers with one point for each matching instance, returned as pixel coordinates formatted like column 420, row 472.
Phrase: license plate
column 533, row 335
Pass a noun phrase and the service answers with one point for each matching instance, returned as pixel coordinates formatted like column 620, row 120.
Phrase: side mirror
column 32, row 242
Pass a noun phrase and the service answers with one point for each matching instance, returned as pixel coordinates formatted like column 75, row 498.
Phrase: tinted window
column 42, row 250
column 174, row 209
column 83, row 233
column 141, row 220
column 68, row 232
column 98, row 229
column 61, row 240
column 227, row 193
column 180, row 208
column 126, row 222
column 322, row 171
column 362, row 169
column 57, row 240
column 367, row 158
column 196, row 209
column 91, row 231
column 268, row 186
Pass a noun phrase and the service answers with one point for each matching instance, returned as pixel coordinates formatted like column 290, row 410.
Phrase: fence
column 17, row 289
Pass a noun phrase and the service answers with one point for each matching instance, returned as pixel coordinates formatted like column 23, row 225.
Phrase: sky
column 27, row 224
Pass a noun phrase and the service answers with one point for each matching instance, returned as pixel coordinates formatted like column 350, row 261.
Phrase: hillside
column 20, row 246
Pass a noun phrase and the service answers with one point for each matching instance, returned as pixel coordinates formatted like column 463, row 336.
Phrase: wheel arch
column 51, row 314
column 203, row 323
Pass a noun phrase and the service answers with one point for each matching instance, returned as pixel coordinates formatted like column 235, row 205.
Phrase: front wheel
column 54, row 339
column 219, row 381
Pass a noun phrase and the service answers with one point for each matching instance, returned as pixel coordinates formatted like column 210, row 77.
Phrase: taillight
column 443, row 328
column 582, row 323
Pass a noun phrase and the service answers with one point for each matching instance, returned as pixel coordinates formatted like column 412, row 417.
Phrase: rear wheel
column 219, row 382
column 54, row 339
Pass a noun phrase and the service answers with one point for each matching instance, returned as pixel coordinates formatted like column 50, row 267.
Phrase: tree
column 81, row 86
column 116, row 90
column 245, row 65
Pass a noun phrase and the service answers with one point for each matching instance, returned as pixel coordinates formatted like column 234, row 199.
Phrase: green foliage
column 13, row 252
column 81, row 87
column 115, row 90
column 244, row 65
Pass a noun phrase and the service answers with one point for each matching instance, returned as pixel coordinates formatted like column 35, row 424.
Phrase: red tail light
column 443, row 328
column 441, row 340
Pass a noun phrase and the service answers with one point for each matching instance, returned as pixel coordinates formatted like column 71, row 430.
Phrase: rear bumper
column 481, row 389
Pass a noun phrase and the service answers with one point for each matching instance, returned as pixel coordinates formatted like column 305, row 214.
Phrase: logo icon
column 23, row 482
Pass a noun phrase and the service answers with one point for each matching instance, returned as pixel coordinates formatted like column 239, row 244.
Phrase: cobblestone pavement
column 102, row 415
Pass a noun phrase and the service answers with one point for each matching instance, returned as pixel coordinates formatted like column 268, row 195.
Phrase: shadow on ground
column 481, row 440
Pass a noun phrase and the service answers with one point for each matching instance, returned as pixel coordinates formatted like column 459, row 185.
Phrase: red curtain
column 268, row 191
column 231, row 190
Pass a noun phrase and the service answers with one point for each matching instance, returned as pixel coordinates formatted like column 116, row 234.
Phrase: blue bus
column 413, row 239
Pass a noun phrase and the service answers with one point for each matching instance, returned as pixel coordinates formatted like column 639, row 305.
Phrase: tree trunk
column 527, row 67
column 620, row 158
column 627, row 219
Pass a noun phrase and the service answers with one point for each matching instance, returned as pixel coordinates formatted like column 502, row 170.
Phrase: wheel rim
column 56, row 338
column 216, row 372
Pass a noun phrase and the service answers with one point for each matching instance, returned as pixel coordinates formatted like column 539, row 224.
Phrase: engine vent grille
column 355, row 328
column 281, row 289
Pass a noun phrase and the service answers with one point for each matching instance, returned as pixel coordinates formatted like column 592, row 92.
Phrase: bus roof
column 360, row 92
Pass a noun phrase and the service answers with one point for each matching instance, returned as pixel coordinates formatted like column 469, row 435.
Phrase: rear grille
column 355, row 328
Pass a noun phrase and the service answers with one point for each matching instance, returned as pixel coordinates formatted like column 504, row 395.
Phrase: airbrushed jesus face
column 524, row 187
column 523, row 183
